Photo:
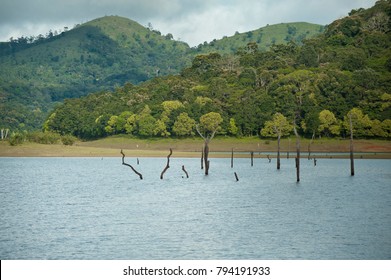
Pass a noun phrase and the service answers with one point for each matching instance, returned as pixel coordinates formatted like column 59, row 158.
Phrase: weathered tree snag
column 236, row 177
column 232, row 158
column 278, row 151
column 167, row 165
column 297, row 154
column 206, row 154
column 207, row 139
column 134, row 170
column 314, row 161
column 138, row 162
column 252, row 158
column 202, row 158
column 268, row 157
column 351, row 146
column 309, row 146
column 184, row 170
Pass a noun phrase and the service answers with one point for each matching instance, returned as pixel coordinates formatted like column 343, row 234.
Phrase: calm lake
column 96, row 208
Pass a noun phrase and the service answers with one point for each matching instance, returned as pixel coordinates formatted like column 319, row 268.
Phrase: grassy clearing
column 191, row 147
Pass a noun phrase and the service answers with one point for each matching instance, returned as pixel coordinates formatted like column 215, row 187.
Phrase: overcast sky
column 191, row 21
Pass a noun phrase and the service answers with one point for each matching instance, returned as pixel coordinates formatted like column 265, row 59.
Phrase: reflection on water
column 93, row 208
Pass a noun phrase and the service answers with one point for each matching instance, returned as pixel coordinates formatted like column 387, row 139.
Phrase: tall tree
column 279, row 126
column 183, row 125
column 207, row 128
column 328, row 123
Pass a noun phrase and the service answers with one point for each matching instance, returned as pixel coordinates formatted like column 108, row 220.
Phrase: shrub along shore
column 191, row 147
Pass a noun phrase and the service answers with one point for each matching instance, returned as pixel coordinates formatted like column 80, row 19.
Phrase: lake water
column 96, row 208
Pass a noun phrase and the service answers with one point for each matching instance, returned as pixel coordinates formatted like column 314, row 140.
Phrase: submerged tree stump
column 236, row 176
column 232, row 158
column 351, row 146
column 184, row 170
column 202, row 158
column 207, row 138
column 167, row 165
column 297, row 154
column 134, row 170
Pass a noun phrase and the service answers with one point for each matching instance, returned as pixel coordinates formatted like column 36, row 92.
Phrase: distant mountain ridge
column 265, row 37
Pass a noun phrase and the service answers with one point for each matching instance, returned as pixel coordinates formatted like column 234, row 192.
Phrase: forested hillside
column 36, row 72
column 98, row 55
column 346, row 70
column 265, row 37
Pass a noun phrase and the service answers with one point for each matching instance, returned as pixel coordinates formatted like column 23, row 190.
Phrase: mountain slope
column 97, row 55
column 265, row 37
column 94, row 56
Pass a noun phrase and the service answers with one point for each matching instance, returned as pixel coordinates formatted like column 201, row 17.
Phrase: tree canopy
column 316, row 85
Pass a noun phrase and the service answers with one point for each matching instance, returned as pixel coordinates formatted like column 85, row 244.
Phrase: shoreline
column 219, row 148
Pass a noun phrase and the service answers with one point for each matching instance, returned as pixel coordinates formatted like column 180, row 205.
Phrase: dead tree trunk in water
column 184, row 170
column 297, row 154
column 207, row 139
column 202, row 158
column 236, row 176
column 252, row 158
column 351, row 146
column 232, row 158
column 206, row 155
column 167, row 165
column 278, row 151
column 309, row 146
column 134, row 170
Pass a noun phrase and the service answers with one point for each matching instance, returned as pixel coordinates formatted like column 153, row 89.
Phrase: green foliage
column 232, row 128
column 263, row 38
column 16, row 138
column 328, row 124
column 146, row 123
column 46, row 137
column 210, row 122
column 277, row 127
column 68, row 140
column 184, row 125
column 362, row 124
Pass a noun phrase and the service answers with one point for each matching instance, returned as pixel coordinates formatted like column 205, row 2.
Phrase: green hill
column 94, row 56
column 265, row 37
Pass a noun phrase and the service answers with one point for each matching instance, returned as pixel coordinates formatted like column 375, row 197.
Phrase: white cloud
column 194, row 21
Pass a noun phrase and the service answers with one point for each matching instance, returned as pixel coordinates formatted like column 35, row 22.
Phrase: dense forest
column 39, row 71
column 314, row 86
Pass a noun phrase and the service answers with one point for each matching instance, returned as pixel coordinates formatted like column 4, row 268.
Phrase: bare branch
column 134, row 170
column 167, row 165
column 213, row 135
column 199, row 132
column 184, row 170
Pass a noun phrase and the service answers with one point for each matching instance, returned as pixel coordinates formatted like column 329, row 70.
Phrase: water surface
column 96, row 208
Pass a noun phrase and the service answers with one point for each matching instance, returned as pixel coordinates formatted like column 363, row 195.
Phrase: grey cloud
column 194, row 21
